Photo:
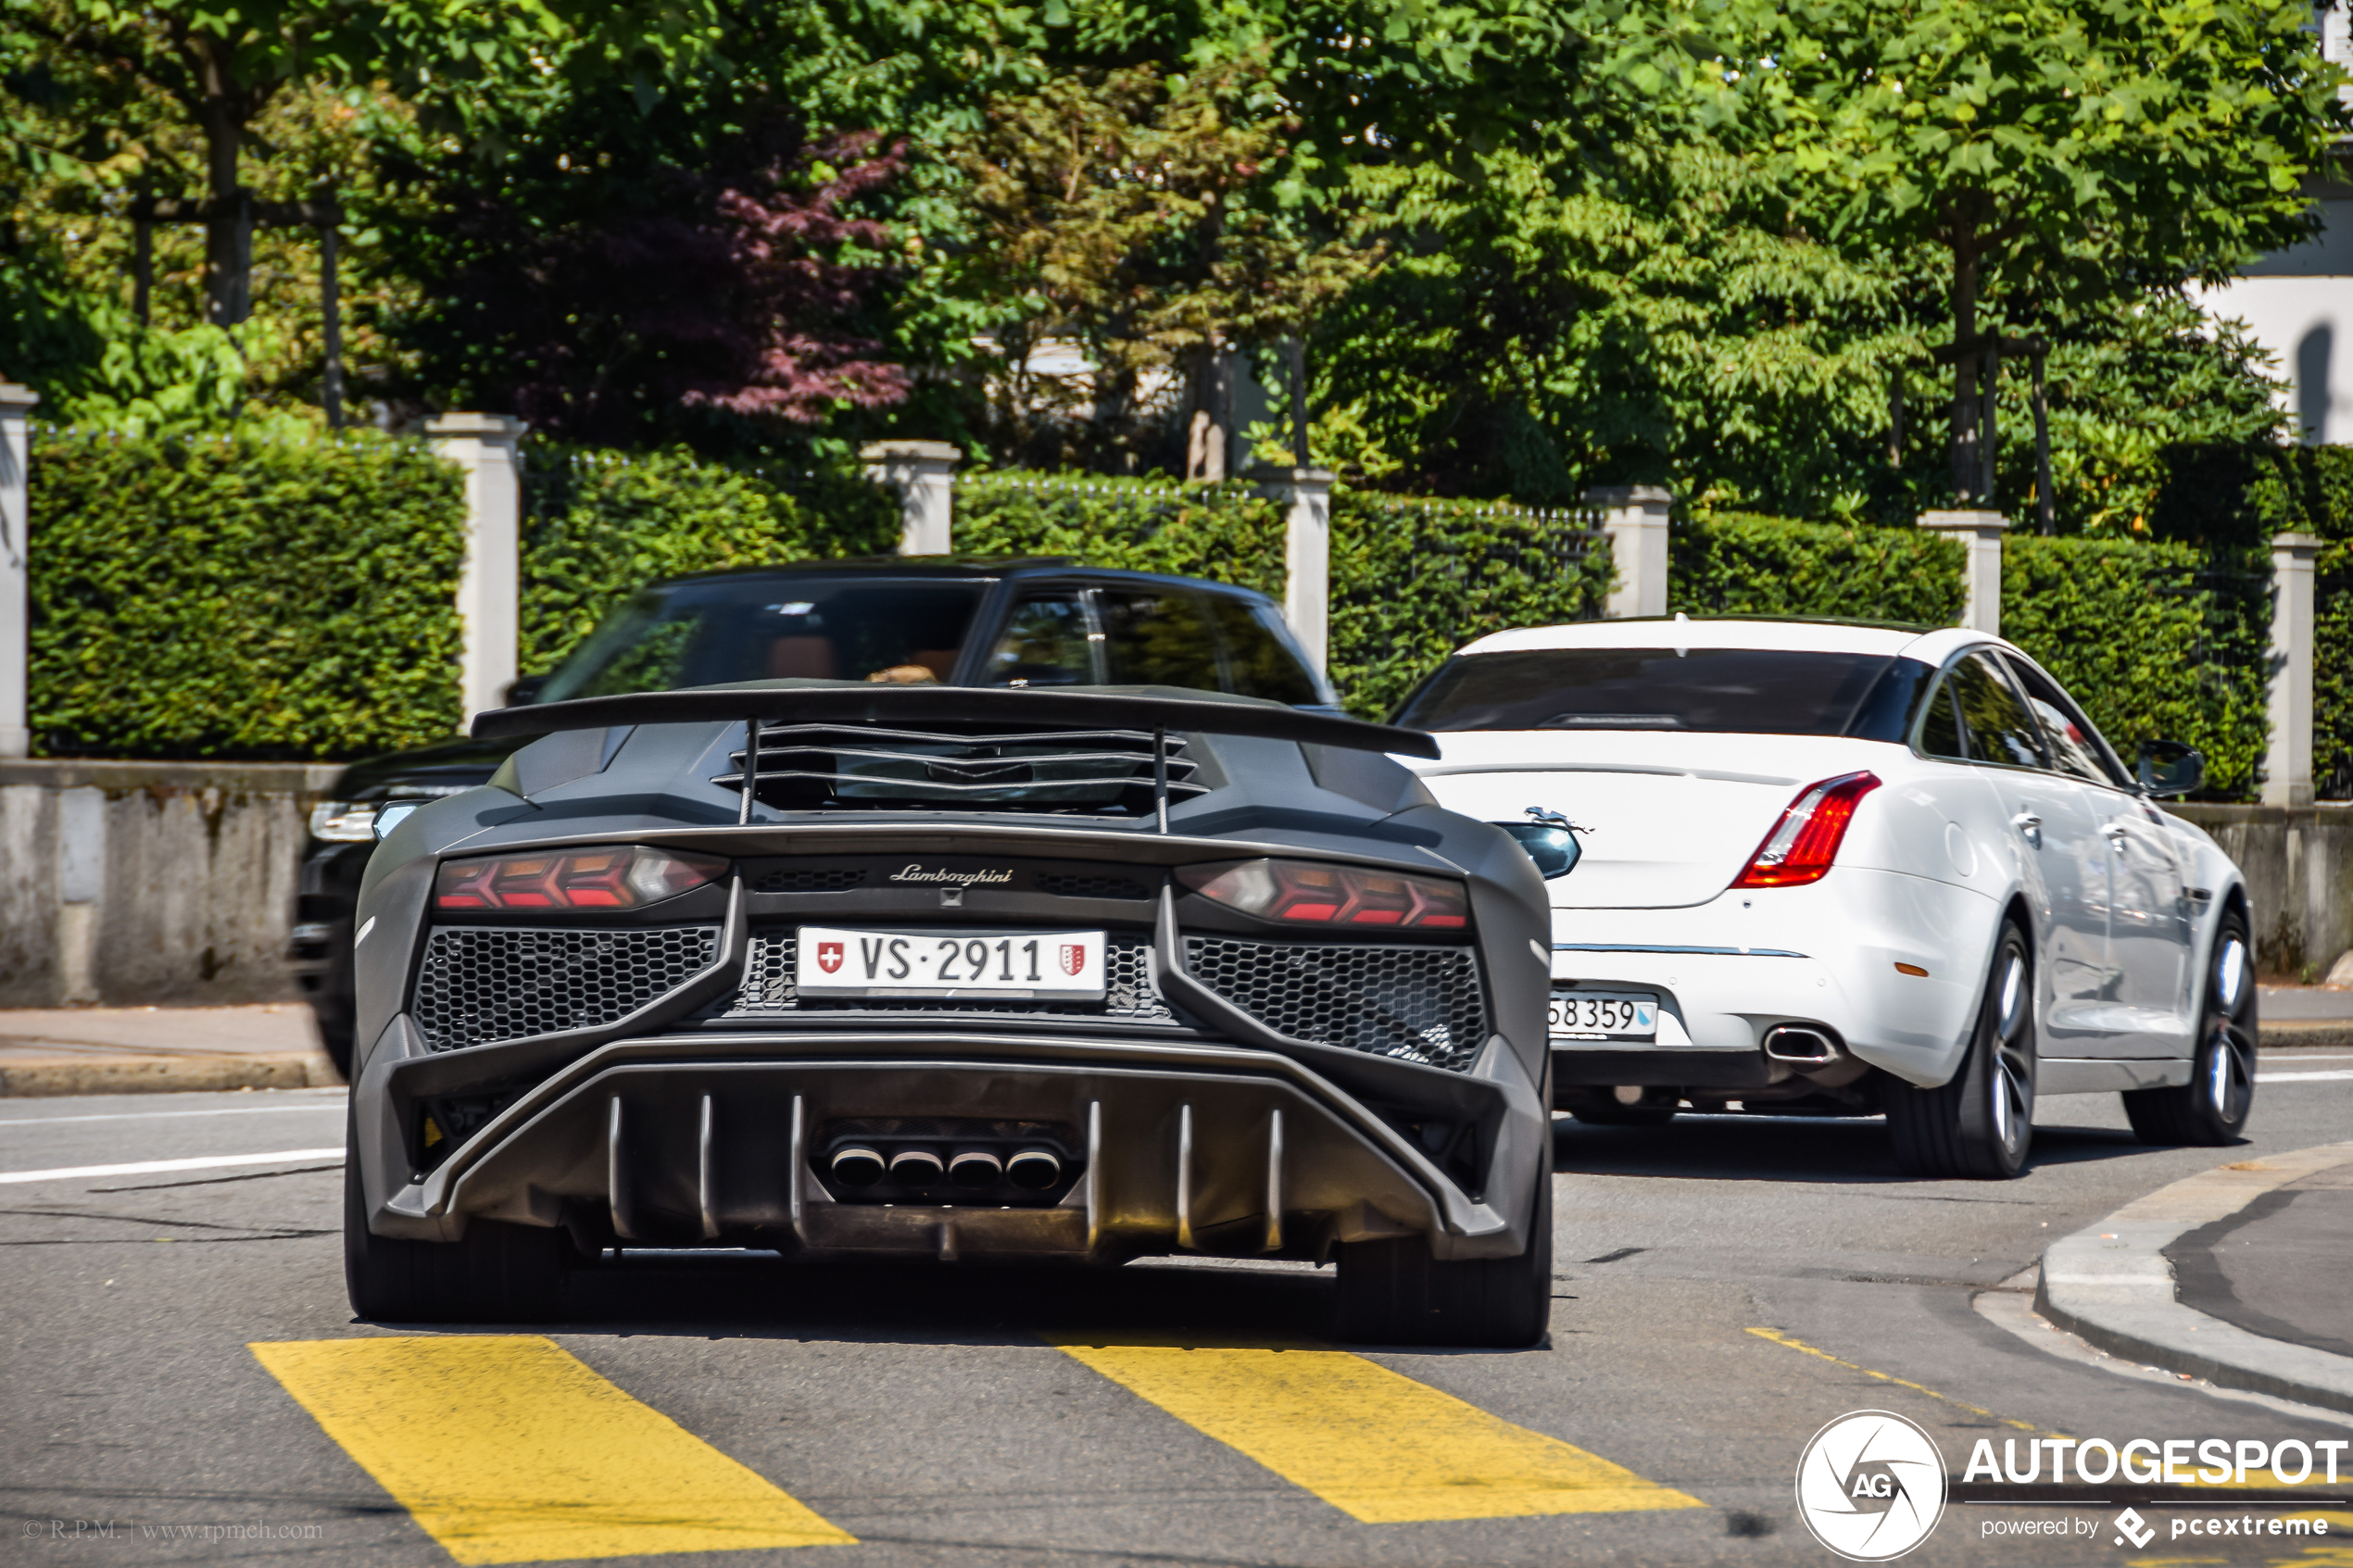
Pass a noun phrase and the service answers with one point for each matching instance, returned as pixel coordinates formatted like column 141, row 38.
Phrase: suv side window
column 1045, row 644
column 1259, row 659
column 2074, row 745
column 1999, row 728
column 1158, row 637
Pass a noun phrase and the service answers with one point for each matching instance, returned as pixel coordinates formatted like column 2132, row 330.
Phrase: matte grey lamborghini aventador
column 935, row 974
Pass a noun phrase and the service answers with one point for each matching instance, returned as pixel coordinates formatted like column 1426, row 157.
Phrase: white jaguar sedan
column 1841, row 869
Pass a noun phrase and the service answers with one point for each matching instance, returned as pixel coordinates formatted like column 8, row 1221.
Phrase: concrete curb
column 2111, row 1285
column 2306, row 1033
column 39, row 1076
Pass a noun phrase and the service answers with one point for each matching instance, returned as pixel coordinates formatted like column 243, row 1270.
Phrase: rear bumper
column 1729, row 970
column 1177, row 1147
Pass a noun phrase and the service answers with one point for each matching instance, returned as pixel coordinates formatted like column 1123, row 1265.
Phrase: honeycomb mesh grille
column 1129, row 995
column 807, row 878
column 1417, row 1004
column 480, row 985
column 1092, row 886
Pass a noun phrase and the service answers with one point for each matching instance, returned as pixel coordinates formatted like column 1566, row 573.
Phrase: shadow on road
column 1787, row 1148
column 761, row 1295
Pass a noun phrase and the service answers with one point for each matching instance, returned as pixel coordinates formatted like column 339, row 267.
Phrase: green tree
column 1133, row 214
column 2055, row 147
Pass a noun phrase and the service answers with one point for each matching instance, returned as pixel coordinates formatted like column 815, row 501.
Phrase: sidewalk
column 2304, row 1015
column 2238, row 1276
column 125, row 1050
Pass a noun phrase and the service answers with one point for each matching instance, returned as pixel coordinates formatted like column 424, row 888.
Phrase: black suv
column 950, row 620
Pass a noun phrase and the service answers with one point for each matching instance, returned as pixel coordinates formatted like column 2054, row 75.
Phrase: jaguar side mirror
column 1553, row 848
column 2168, row 768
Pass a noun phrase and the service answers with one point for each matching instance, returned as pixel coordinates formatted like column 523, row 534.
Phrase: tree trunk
column 1965, row 408
column 228, row 240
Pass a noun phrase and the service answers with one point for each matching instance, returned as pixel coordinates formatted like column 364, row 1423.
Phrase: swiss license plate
column 832, row 961
column 1605, row 1015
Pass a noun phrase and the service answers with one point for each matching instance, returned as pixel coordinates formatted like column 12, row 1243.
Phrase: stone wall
column 132, row 882
column 2298, row 862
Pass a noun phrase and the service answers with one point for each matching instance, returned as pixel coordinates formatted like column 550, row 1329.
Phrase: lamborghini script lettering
column 961, row 879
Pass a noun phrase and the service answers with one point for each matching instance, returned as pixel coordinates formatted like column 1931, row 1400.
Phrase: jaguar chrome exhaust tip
column 974, row 1169
column 916, row 1167
column 1802, row 1045
column 857, row 1167
column 1033, row 1170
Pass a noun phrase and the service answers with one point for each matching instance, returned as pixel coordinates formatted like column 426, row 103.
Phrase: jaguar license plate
column 1063, row 965
column 1605, row 1015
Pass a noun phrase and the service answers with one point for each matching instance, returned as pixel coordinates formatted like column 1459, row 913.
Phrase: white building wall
column 2299, row 304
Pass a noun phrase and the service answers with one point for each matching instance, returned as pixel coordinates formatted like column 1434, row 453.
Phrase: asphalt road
column 179, row 1349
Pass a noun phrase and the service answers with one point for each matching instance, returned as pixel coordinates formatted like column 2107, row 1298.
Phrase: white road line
column 146, row 1167
column 335, row 1103
column 2302, row 1077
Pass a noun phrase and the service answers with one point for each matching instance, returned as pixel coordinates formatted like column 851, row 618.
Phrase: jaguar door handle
column 2029, row 828
column 2117, row 835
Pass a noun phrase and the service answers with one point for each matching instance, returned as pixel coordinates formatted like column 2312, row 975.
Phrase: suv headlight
column 344, row 821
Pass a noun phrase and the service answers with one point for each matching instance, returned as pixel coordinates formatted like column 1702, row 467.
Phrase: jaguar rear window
column 1722, row 691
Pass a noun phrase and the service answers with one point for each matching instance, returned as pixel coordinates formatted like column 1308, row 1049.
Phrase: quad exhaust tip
column 916, row 1167
column 974, row 1169
column 857, row 1167
column 1033, row 1170
column 1802, row 1044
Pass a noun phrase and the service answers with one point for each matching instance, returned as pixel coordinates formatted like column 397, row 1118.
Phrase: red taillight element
column 619, row 878
column 1304, row 893
column 1805, row 842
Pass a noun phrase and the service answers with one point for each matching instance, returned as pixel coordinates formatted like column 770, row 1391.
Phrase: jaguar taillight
column 618, row 877
column 1305, row 893
column 1804, row 844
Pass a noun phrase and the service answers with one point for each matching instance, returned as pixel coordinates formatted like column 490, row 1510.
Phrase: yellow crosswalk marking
column 507, row 1449
column 1371, row 1442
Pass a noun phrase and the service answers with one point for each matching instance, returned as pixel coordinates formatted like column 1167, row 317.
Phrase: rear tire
column 1980, row 1124
column 2211, row 1108
column 497, row 1274
column 1395, row 1293
column 1602, row 1108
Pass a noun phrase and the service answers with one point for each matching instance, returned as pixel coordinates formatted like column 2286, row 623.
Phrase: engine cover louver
column 1099, row 772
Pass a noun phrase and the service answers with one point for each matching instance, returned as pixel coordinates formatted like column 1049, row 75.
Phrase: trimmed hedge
column 1415, row 579
column 2155, row 640
column 1733, row 563
column 2310, row 489
column 1225, row 533
column 235, row 596
column 598, row 525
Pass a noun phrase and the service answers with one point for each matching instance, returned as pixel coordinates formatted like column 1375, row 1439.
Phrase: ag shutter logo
column 1871, row 1486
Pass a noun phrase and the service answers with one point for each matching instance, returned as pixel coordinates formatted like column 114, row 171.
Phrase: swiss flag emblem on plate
column 829, row 955
column 1074, row 957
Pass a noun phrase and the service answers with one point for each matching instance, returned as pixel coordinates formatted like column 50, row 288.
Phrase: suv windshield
column 831, row 627
column 1743, row 691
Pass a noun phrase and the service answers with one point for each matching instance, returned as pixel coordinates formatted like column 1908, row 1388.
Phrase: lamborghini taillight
column 1306, row 893
column 1804, row 844
column 619, row 877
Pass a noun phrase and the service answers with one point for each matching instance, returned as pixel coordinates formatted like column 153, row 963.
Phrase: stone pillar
column 922, row 472
column 1981, row 570
column 16, row 591
column 489, row 448
column 1306, row 499
column 1634, row 516
column 2287, row 766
